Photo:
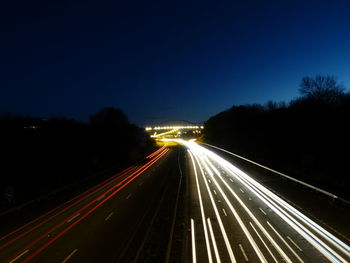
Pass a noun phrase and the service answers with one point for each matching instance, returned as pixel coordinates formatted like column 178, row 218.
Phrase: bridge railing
column 178, row 127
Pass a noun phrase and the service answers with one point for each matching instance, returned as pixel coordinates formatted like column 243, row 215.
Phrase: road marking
column 263, row 242
column 128, row 196
column 224, row 211
column 20, row 255
column 194, row 257
column 262, row 211
column 243, row 252
column 72, row 218
column 231, row 180
column 295, row 244
column 214, row 192
column 295, row 254
column 109, row 216
column 241, row 190
column 213, row 240
column 69, row 256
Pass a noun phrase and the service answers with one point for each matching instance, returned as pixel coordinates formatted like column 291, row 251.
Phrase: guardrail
column 284, row 175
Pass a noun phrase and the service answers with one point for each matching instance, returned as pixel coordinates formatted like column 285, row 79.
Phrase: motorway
column 233, row 218
column 223, row 215
column 98, row 225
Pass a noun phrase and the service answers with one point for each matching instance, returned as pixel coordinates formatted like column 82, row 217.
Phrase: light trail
column 133, row 177
column 202, row 211
column 164, row 133
column 217, row 256
column 193, row 239
column 282, row 174
column 111, row 192
column 240, row 222
column 156, row 152
column 222, row 228
column 78, row 199
column 69, row 256
column 281, row 208
column 262, row 240
column 298, row 227
column 331, row 247
column 284, row 242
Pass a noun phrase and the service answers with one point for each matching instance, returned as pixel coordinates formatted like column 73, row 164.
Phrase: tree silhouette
column 322, row 89
column 305, row 138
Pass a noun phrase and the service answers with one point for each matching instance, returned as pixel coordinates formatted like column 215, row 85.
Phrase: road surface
column 184, row 204
column 100, row 224
column 233, row 218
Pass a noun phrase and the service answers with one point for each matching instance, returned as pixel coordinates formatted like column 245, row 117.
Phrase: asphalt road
column 100, row 224
column 233, row 218
column 146, row 213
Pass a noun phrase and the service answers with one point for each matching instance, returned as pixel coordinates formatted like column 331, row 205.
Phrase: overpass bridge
column 174, row 129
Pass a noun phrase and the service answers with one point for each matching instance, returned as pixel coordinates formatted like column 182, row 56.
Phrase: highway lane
column 235, row 219
column 96, row 225
column 229, row 217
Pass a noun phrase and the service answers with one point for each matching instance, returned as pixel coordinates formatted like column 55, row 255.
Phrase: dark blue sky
column 166, row 59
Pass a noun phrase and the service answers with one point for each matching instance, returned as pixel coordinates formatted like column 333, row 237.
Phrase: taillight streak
column 156, row 152
column 93, row 190
column 132, row 176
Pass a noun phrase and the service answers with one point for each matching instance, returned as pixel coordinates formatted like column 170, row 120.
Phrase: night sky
column 165, row 60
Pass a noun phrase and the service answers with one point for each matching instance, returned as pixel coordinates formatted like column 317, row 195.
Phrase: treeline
column 307, row 138
column 38, row 155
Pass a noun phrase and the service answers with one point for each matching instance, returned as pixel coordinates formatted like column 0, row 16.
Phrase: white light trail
column 326, row 243
column 298, row 227
column 221, row 225
column 194, row 257
column 284, row 242
column 214, row 242
column 240, row 222
column 202, row 210
column 262, row 240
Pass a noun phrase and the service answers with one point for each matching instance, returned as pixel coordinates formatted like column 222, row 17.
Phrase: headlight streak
column 257, row 250
column 212, row 166
column 284, row 242
column 202, row 210
column 315, row 241
column 262, row 240
column 338, row 243
column 240, row 222
column 214, row 242
column 197, row 152
column 222, row 228
column 193, row 239
column 278, row 201
column 318, row 237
